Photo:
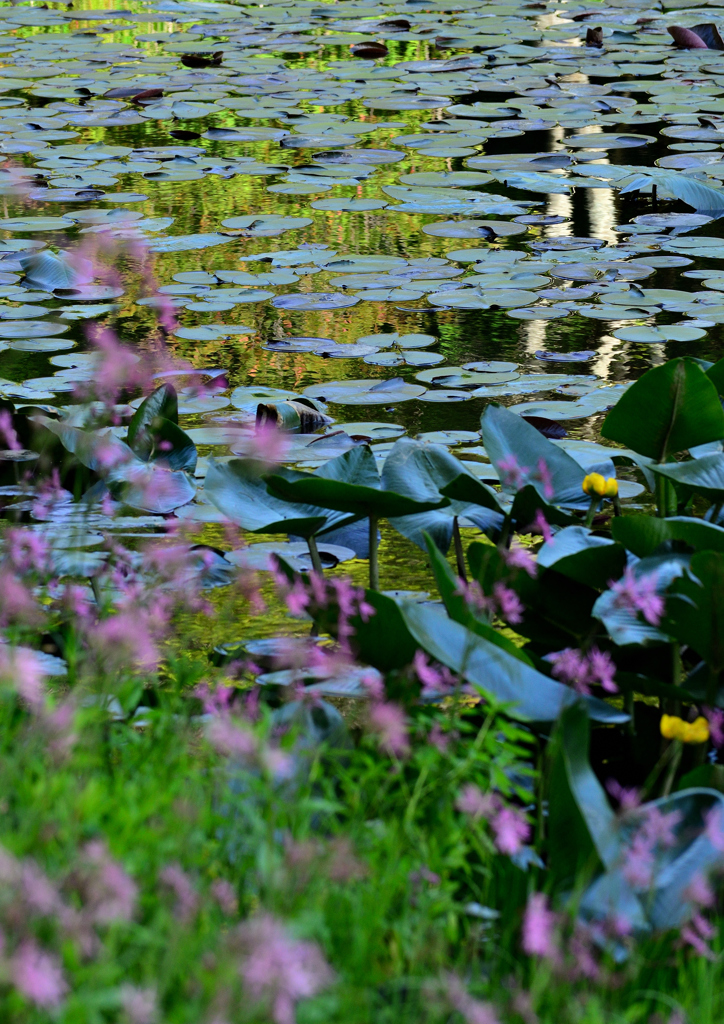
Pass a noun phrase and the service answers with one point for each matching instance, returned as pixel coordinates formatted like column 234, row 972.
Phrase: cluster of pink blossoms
column 510, row 828
column 584, row 669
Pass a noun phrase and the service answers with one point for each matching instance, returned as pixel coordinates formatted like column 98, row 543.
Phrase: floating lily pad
column 487, row 229
column 659, row 335
column 365, row 392
column 315, row 300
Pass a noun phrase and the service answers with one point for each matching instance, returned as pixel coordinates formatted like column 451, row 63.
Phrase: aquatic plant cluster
column 414, row 718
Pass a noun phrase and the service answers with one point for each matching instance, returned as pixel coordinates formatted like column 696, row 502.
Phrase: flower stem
column 673, row 767
column 459, row 553
column 314, row 554
column 374, row 564
column 591, row 510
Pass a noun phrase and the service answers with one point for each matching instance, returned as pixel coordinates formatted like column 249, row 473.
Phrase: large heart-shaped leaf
column 696, row 608
column 161, row 402
column 521, row 455
column 671, row 408
column 527, row 694
column 581, row 824
column 350, row 483
column 458, row 608
column 237, row 488
column 581, row 555
column 642, row 535
column 420, row 470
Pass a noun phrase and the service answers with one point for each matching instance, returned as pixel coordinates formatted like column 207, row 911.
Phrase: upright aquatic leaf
column 696, row 608
column 521, row 456
column 581, row 824
column 671, row 408
column 528, row 694
column 238, row 489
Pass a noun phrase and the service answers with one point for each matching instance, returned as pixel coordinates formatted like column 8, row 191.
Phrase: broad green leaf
column 671, row 408
column 577, row 553
column 527, row 694
column 642, row 535
column 530, row 458
column 350, row 483
column 581, row 824
column 695, row 610
column 161, row 402
column 458, row 608
column 705, row 475
column 237, row 488
column 420, row 471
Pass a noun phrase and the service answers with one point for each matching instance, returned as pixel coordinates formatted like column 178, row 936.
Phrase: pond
column 473, row 202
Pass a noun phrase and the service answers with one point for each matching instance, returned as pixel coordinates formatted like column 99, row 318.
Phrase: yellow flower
column 595, row 484
column 675, row 728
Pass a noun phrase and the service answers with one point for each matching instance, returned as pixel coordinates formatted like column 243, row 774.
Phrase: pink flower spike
column 538, row 927
column 540, row 523
column 639, row 594
column 511, row 474
column 715, row 718
column 511, row 831
column 519, row 558
column 472, row 801
column 389, row 722
column 510, row 606
column 37, row 975
column 7, row 432
column 543, row 474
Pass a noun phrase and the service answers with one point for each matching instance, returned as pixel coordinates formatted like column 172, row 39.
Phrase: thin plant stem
column 673, row 767
column 314, row 554
column 661, row 497
column 459, row 553
column 374, row 563
column 628, row 703
column 595, row 500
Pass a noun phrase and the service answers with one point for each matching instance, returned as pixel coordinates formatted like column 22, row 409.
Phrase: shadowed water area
column 463, row 200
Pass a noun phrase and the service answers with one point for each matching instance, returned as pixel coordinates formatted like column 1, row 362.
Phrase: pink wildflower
column 24, row 670
column 439, row 739
column 225, row 895
column 389, row 722
column 581, row 671
column 473, row 1010
column 519, row 558
column 538, row 927
column 37, row 975
column 124, row 641
column 232, row 739
column 697, row 934
column 715, row 718
column 139, row 1004
column 473, row 596
column 7, row 432
column 111, row 892
column 511, row 474
column 268, row 444
column 540, row 524
column 714, row 828
column 628, row 798
column 699, row 891
column 543, row 474
column 471, row 800
column 175, row 878
column 658, row 828
column 511, row 830
column 602, row 670
column 279, row 968
column 510, row 606
column 638, row 867
column 638, row 594
column 435, row 679
column 297, row 598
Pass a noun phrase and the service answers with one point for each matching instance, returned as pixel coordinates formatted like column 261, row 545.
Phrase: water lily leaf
column 671, row 408
column 188, row 243
column 350, row 483
column 657, row 335
column 237, row 488
column 315, row 300
column 527, row 694
column 577, row 553
column 365, row 392
column 704, row 475
column 519, row 451
column 583, row 831
column 644, row 534
column 421, row 470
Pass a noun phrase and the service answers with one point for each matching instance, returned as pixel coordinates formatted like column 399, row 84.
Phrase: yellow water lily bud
column 611, row 487
column 675, row 728
column 698, row 731
column 669, row 726
column 594, row 483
